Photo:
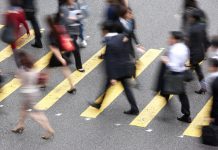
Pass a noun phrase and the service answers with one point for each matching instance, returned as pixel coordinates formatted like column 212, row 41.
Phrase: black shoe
column 81, row 70
column 201, row 91
column 131, row 112
column 97, row 106
column 37, row 45
column 72, row 91
column 186, row 119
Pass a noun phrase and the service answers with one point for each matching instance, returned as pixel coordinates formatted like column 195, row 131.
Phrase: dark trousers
column 76, row 54
column 127, row 90
column 32, row 18
column 198, row 71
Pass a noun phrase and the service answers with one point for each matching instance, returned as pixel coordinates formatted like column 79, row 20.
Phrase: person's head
column 25, row 60
column 194, row 16
column 190, row 3
column 213, row 64
column 70, row 2
column 14, row 2
column 110, row 27
column 175, row 37
column 126, row 12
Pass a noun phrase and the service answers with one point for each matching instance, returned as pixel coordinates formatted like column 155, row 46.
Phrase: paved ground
column 156, row 128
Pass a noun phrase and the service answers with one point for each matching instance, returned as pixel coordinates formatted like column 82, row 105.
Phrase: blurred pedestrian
column 14, row 17
column 197, row 42
column 171, row 75
column 30, row 10
column 70, row 16
column 30, row 92
column 60, row 57
column 119, row 64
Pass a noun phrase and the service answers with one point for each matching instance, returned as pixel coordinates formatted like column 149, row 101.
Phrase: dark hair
column 196, row 14
column 15, row 2
column 177, row 35
column 25, row 60
column 214, row 41
column 190, row 3
column 111, row 26
column 213, row 62
column 123, row 11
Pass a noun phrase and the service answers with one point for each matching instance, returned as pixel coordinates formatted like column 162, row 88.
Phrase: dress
column 54, row 62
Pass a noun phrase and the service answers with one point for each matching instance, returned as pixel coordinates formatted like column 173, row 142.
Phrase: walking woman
column 60, row 58
column 30, row 92
column 70, row 16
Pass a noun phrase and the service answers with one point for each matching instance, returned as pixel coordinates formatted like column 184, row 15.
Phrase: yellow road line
column 1, row 26
column 23, row 40
column 61, row 89
column 194, row 129
column 14, row 84
column 149, row 112
column 116, row 90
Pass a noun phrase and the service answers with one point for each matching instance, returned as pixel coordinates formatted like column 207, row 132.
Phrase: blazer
column 118, row 58
column 197, row 42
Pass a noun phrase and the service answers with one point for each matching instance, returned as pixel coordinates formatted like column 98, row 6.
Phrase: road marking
column 149, row 112
column 61, row 89
column 1, row 26
column 194, row 129
column 23, row 40
column 116, row 90
column 14, row 84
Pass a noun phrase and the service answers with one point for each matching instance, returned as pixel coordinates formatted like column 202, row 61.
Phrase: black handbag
column 210, row 135
column 173, row 83
column 188, row 75
column 8, row 35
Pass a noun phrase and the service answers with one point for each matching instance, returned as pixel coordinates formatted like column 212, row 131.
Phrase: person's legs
column 198, row 71
column 185, row 108
column 66, row 72
column 130, row 97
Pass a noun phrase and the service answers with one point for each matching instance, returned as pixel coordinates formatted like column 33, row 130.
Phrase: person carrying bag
column 171, row 78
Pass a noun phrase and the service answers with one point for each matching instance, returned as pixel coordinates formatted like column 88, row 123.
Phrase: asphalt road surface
column 81, row 128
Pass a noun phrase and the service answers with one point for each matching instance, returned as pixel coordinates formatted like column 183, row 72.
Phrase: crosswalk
column 146, row 116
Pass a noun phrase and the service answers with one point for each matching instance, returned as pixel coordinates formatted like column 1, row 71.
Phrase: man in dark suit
column 119, row 64
column 30, row 11
column 198, row 43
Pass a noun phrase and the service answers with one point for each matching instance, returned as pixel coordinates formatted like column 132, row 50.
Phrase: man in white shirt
column 174, row 61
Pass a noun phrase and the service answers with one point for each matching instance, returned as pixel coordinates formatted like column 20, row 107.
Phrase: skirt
column 54, row 62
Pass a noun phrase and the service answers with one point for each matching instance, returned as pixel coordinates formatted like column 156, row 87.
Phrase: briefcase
column 173, row 83
column 210, row 135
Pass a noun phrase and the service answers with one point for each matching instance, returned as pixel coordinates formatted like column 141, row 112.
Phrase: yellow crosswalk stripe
column 149, row 112
column 116, row 90
column 194, row 129
column 23, row 40
column 1, row 26
column 61, row 89
column 14, row 84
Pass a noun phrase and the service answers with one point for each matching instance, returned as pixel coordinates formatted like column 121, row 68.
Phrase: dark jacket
column 118, row 58
column 197, row 42
column 214, row 110
column 29, row 5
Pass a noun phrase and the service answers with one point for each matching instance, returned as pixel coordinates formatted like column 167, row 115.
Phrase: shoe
column 72, row 91
column 97, row 106
column 83, row 44
column 43, row 87
column 37, row 45
column 101, row 56
column 186, row 119
column 18, row 130
column 48, row 136
column 201, row 91
column 81, row 70
column 131, row 112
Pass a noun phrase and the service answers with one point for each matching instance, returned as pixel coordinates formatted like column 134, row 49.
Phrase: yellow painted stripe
column 1, row 26
column 194, row 129
column 149, row 112
column 23, row 40
column 116, row 90
column 61, row 89
column 14, row 84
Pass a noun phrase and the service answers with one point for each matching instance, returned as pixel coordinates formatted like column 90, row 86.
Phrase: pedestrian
column 30, row 10
column 119, row 64
column 59, row 58
column 30, row 92
column 197, row 42
column 14, row 17
column 70, row 16
column 173, row 67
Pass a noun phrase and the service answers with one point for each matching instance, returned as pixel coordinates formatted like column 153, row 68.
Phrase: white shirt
column 178, row 54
